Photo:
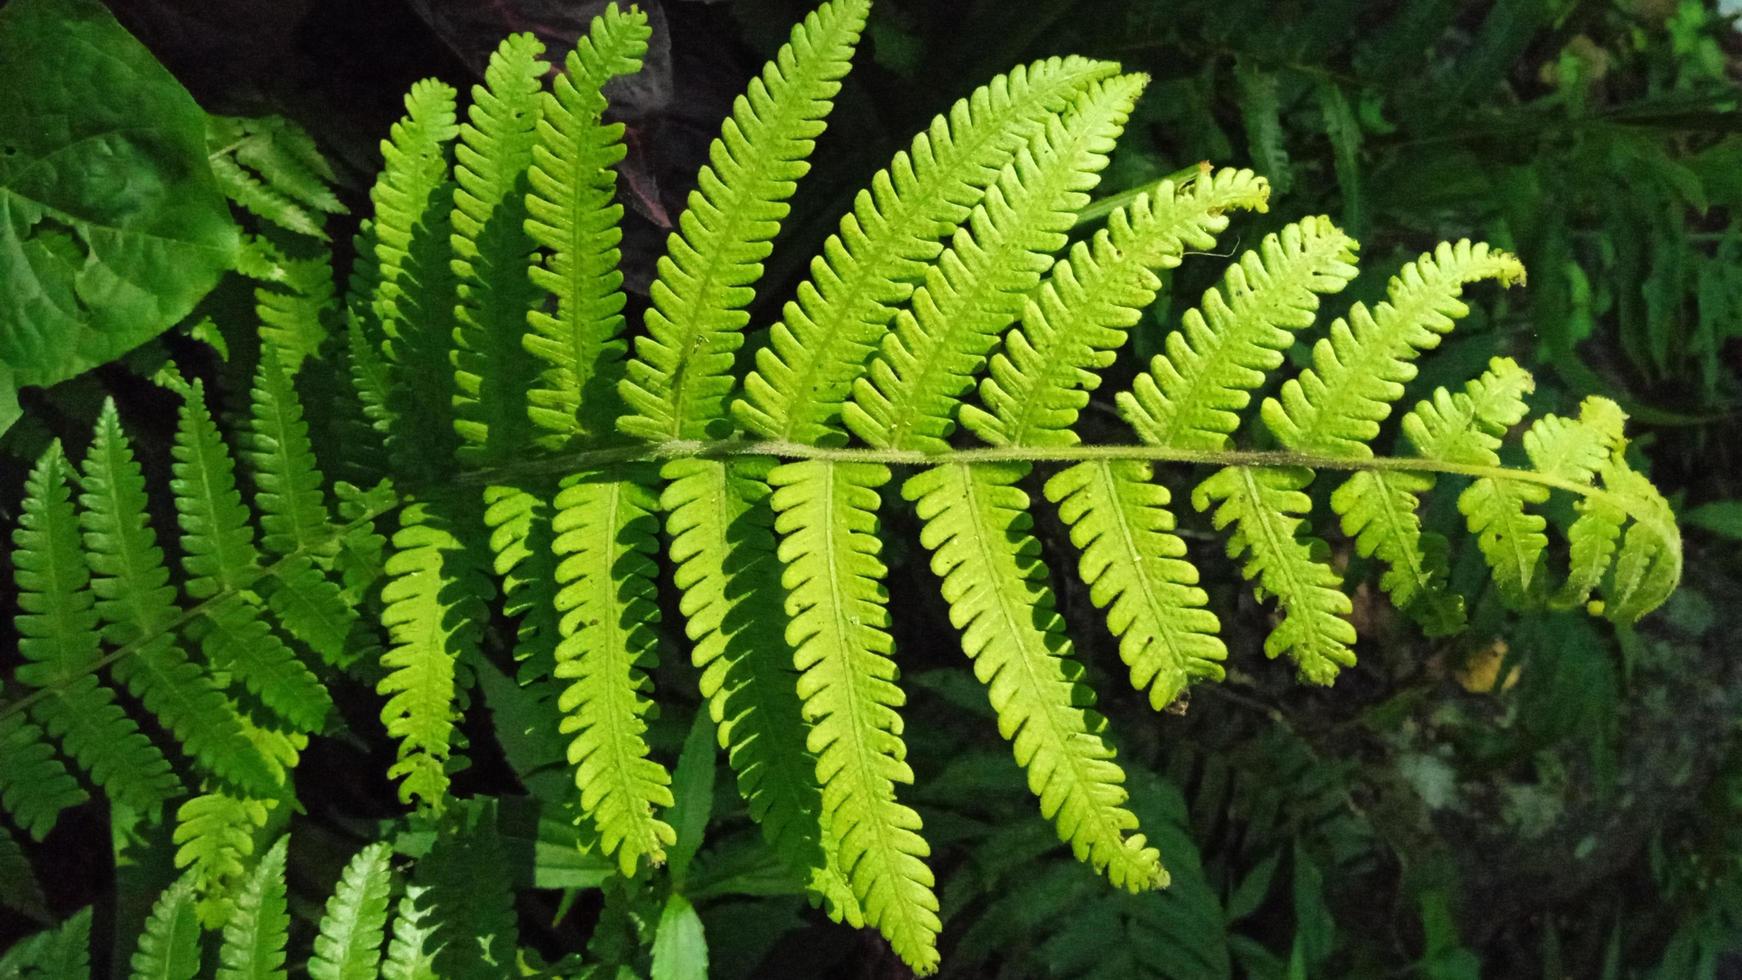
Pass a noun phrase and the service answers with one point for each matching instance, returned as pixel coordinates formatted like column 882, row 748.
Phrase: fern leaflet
column 680, row 379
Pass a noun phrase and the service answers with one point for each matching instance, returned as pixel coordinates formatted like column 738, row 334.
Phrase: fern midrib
column 231, row 572
column 285, row 469
column 620, row 697
column 565, row 463
column 1396, row 530
column 1058, row 737
column 61, row 614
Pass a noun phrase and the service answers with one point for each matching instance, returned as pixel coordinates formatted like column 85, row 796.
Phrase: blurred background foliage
column 1541, row 796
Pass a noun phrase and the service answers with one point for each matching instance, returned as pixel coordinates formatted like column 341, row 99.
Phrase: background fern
column 536, row 451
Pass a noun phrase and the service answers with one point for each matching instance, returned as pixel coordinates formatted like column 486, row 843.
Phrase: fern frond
column 214, row 836
column 678, row 384
column 287, row 480
column 64, row 951
column 435, row 601
column 414, row 296
column 606, row 536
column 492, row 370
column 518, row 520
column 169, row 948
column 980, row 534
column 136, row 602
column 217, row 831
column 1335, row 406
column 1190, row 397
column 1378, row 512
column 907, row 398
column 57, row 635
column 720, row 524
column 34, row 786
column 298, row 310
column 1038, row 383
column 217, row 539
column 1467, row 428
column 412, row 949
column 1514, row 541
column 288, row 492
column 1267, row 511
column 1649, row 566
column 898, row 225
column 368, row 376
column 219, row 555
column 256, row 936
column 573, row 216
column 273, row 169
column 476, row 932
column 839, row 619
column 1193, row 392
column 1136, row 569
column 349, row 944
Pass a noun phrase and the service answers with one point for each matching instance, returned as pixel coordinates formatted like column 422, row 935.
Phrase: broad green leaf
column 680, row 949
column 111, row 224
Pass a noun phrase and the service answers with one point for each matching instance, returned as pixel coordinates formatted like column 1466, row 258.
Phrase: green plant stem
column 564, row 463
column 587, row 459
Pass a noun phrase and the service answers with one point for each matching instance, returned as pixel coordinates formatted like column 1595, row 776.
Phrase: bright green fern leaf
column 255, row 937
column 1467, row 428
column 1193, row 392
column 57, row 629
column 490, row 249
column 1649, row 566
column 1135, row 567
column 980, row 535
column 606, row 536
column 1335, row 407
column 411, row 950
column 839, row 619
column 1378, row 512
column 349, row 944
column 169, row 948
column 722, row 541
column 1267, row 512
column 897, row 227
column 907, row 398
column 573, row 216
column 1038, row 384
column 292, row 506
column 680, row 380
column 435, row 598
column 412, row 300
column 217, row 831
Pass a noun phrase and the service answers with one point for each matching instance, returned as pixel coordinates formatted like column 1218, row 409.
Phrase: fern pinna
column 949, row 327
